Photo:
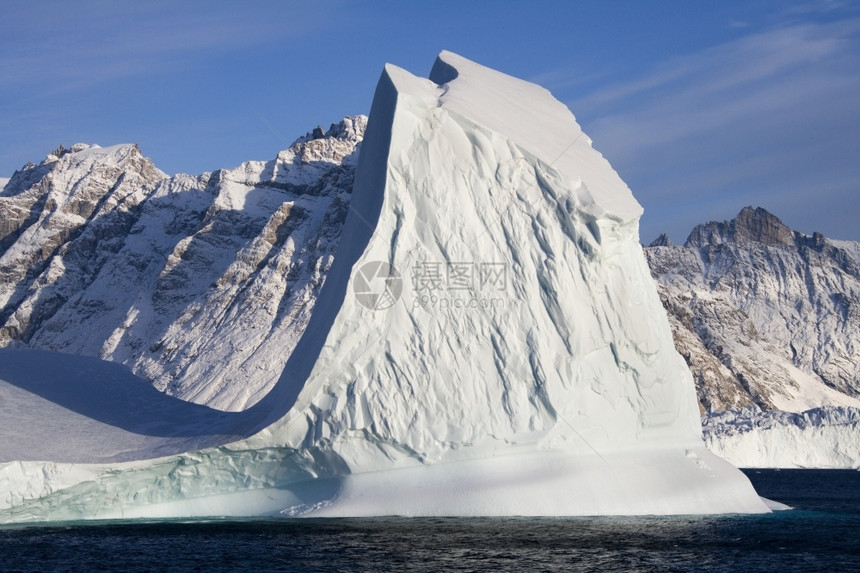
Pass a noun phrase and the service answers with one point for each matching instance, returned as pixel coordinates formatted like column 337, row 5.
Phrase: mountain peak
column 662, row 241
column 752, row 224
column 333, row 146
column 761, row 226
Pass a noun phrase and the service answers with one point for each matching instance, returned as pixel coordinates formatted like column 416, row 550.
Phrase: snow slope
column 88, row 410
column 516, row 360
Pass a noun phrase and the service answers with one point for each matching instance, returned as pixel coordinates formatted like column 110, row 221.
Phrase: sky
column 702, row 107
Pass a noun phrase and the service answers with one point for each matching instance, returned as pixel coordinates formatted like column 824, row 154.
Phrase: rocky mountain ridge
column 200, row 284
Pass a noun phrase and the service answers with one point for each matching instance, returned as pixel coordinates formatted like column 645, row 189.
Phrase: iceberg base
column 549, row 483
column 532, row 483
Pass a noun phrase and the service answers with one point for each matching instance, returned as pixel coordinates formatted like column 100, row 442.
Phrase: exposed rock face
column 765, row 316
column 60, row 222
column 662, row 241
column 750, row 226
column 192, row 281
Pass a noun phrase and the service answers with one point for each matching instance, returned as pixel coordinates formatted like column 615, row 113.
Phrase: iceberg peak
column 529, row 115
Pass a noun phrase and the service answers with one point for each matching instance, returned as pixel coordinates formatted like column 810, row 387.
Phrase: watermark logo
column 377, row 285
column 433, row 276
column 459, row 285
column 435, row 285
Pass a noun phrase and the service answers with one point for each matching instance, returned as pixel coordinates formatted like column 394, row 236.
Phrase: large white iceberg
column 488, row 341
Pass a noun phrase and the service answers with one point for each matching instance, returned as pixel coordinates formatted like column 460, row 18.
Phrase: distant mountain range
column 203, row 285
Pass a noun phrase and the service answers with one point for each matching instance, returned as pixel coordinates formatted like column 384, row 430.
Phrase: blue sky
column 702, row 107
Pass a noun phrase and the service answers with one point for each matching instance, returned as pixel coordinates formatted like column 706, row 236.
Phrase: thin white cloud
column 750, row 59
column 697, row 113
column 772, row 113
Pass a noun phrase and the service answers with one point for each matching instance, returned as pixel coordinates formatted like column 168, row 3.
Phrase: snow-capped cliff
column 827, row 437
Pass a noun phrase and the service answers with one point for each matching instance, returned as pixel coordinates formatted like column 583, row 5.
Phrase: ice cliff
column 487, row 341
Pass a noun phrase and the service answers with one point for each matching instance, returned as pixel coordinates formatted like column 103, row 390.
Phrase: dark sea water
column 821, row 534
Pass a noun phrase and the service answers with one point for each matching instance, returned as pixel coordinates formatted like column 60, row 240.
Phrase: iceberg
column 488, row 341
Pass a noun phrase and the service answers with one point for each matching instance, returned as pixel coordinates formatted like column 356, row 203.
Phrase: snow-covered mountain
column 200, row 284
column 769, row 321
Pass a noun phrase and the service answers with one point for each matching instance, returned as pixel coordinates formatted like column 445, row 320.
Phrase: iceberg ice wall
column 488, row 342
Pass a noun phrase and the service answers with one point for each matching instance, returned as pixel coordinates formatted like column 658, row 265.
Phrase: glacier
column 487, row 341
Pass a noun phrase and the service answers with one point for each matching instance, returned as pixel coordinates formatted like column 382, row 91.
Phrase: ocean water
column 821, row 533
